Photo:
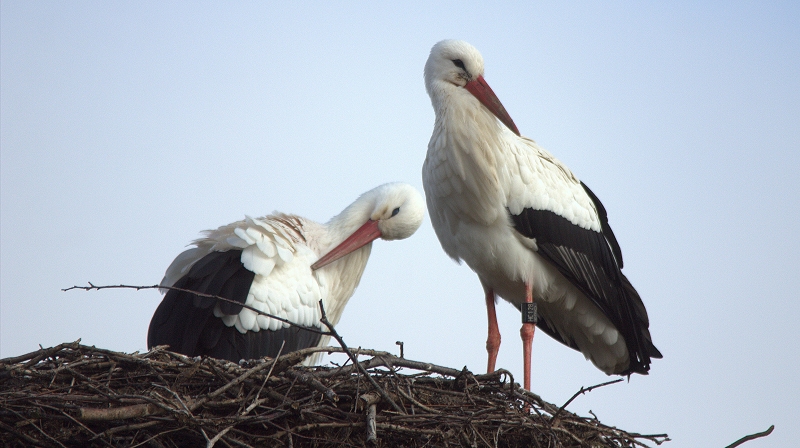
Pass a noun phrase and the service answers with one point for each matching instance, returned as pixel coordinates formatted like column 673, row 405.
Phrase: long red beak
column 365, row 234
column 481, row 90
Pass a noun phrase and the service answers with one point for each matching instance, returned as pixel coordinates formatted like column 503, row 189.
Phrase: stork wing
column 591, row 260
column 261, row 263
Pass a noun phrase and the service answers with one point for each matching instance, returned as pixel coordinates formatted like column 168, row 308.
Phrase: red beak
column 481, row 90
column 365, row 234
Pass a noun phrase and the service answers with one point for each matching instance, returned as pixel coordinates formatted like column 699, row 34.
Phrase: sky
column 126, row 129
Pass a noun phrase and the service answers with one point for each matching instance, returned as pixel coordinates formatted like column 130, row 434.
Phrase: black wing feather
column 186, row 322
column 592, row 261
column 607, row 232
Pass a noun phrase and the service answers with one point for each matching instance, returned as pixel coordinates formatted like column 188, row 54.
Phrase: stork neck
column 340, row 227
column 468, row 143
column 469, row 125
column 345, row 273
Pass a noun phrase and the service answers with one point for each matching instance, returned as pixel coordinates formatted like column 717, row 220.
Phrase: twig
column 154, row 437
column 86, row 428
column 752, row 437
column 389, row 426
column 186, row 409
column 211, row 442
column 23, row 436
column 40, row 354
column 582, row 391
column 248, row 373
column 413, row 400
column 132, row 427
column 257, row 401
column 314, row 383
column 302, row 428
column 92, row 287
column 118, row 413
column 371, row 401
column 339, row 339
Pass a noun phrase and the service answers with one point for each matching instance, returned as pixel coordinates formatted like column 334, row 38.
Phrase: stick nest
column 74, row 395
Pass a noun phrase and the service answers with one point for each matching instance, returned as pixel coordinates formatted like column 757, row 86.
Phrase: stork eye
column 459, row 63
column 396, row 211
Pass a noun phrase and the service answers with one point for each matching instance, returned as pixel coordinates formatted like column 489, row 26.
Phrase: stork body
column 525, row 224
column 279, row 264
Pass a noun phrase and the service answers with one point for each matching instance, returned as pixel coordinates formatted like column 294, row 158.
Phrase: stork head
column 398, row 210
column 453, row 67
column 391, row 211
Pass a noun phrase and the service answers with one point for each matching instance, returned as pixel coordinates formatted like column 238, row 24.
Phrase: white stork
column 273, row 264
column 535, row 235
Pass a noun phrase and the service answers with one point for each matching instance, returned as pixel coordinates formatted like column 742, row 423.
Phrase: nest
column 74, row 395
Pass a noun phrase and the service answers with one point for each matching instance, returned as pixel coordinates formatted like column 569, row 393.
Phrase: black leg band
column 529, row 313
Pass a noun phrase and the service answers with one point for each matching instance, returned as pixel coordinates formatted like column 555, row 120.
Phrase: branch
column 118, row 413
column 370, row 402
column 211, row 442
column 309, row 380
column 361, row 369
column 752, row 437
column 92, row 287
column 583, row 391
column 38, row 355
column 248, row 373
column 257, row 401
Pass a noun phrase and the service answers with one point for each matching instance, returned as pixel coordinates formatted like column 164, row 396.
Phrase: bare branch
column 119, row 413
column 583, row 391
column 92, row 287
column 361, row 369
column 752, row 437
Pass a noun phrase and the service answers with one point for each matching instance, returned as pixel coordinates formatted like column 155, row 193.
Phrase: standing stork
column 273, row 264
column 535, row 235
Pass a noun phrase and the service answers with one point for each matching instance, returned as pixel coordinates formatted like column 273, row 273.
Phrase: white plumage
column 273, row 264
column 280, row 262
column 525, row 223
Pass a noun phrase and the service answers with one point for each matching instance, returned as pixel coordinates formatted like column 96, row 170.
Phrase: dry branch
column 93, row 287
column 582, row 391
column 751, row 437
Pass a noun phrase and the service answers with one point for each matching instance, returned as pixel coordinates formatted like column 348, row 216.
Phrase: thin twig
column 339, row 339
column 92, row 287
column 154, row 437
column 11, row 430
column 40, row 354
column 583, row 391
column 215, row 439
column 752, row 437
column 312, row 382
column 256, row 401
column 413, row 400
column 248, row 373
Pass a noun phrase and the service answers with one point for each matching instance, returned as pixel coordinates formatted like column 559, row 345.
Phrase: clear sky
column 127, row 128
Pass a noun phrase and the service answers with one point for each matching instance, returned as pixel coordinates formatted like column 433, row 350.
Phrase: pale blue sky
column 127, row 128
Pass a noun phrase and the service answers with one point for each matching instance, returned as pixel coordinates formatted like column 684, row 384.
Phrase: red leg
column 493, row 341
column 526, row 333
